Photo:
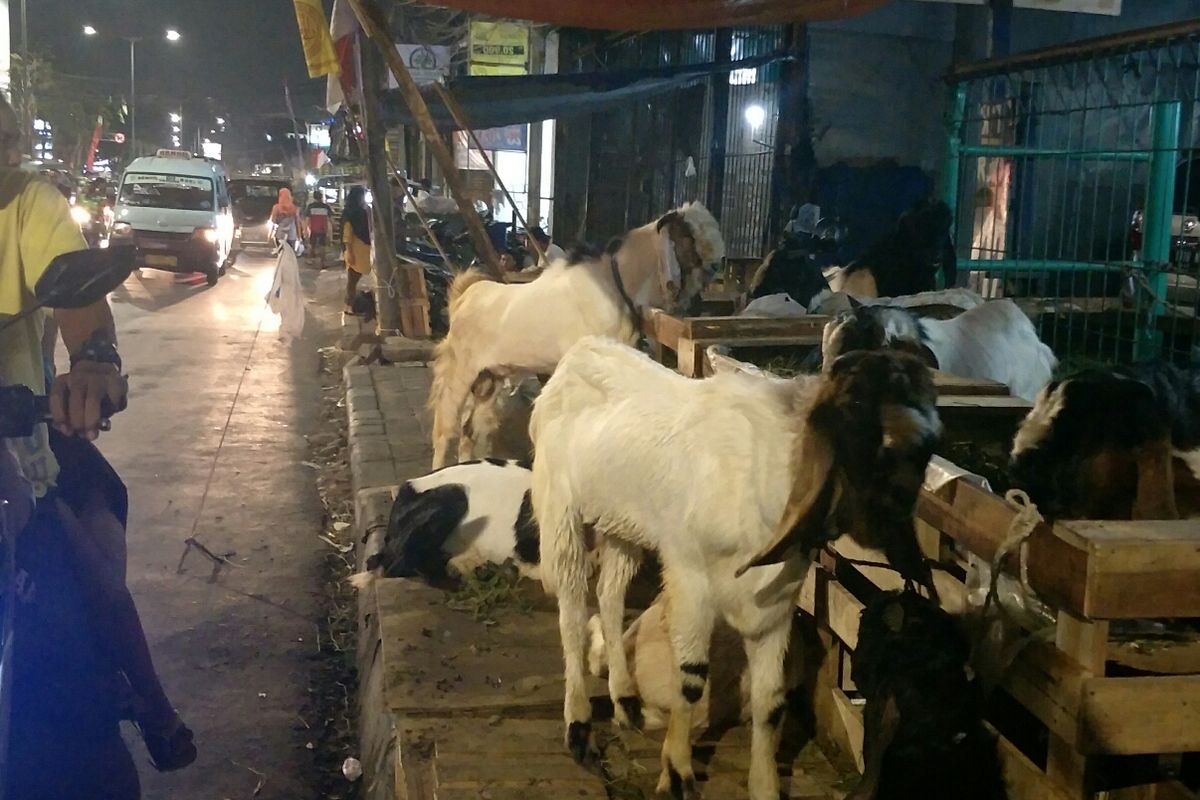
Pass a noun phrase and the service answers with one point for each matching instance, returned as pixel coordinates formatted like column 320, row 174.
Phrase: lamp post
column 171, row 35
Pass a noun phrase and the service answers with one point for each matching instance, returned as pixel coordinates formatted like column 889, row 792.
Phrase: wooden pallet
column 1093, row 573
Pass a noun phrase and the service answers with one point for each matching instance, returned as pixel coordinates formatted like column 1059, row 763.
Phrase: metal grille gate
column 1075, row 175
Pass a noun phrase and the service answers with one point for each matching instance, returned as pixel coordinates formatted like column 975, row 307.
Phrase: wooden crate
column 1076, row 685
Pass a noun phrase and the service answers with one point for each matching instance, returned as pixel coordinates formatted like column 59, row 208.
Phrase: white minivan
column 175, row 207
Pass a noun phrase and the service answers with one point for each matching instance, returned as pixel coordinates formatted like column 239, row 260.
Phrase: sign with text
column 426, row 63
column 510, row 137
column 499, row 48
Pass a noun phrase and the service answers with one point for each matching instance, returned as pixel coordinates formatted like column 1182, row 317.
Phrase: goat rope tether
column 1020, row 529
column 634, row 315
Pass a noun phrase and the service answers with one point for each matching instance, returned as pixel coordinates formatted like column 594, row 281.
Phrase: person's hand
column 77, row 397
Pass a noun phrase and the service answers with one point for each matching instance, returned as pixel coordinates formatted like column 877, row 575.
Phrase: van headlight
column 122, row 229
column 207, row 234
column 81, row 215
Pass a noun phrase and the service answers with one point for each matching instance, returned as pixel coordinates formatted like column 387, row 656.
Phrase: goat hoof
column 629, row 712
column 578, row 734
column 677, row 787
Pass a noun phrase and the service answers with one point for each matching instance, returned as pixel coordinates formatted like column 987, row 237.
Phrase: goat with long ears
column 718, row 476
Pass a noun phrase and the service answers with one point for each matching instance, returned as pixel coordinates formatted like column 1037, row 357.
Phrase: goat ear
column 670, row 272
column 484, row 385
column 806, row 516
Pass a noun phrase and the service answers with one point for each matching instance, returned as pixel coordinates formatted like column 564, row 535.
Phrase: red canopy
column 648, row 15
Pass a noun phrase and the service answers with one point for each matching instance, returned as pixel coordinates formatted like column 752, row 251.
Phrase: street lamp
column 171, row 35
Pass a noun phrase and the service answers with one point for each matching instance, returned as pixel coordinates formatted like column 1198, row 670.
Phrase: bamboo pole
column 373, row 24
column 460, row 118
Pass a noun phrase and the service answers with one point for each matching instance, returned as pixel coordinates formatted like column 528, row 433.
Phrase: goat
column 717, row 476
column 907, row 259
column 665, row 263
column 994, row 341
column 788, row 269
column 495, row 415
column 1100, row 444
column 647, row 642
column 942, row 304
column 924, row 734
column 449, row 522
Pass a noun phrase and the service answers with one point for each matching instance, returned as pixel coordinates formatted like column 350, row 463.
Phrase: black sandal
column 171, row 747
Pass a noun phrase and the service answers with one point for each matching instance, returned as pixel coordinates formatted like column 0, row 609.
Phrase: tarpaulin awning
column 493, row 102
column 648, row 15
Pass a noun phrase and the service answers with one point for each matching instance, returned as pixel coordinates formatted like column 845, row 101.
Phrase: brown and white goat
column 495, row 415
column 1107, row 444
column 665, row 263
column 718, row 476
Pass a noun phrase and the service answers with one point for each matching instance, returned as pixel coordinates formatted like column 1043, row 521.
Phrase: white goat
column 994, row 341
column 717, row 476
column 665, row 263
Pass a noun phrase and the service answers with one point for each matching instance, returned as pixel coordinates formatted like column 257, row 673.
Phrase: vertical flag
column 97, row 132
column 342, row 28
column 314, row 36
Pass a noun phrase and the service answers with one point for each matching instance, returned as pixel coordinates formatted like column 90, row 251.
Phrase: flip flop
column 171, row 747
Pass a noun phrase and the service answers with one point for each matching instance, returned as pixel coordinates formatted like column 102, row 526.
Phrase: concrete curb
column 388, row 444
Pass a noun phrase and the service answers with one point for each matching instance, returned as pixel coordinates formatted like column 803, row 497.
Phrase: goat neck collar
column 634, row 314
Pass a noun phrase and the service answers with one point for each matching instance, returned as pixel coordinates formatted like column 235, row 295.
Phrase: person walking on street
column 286, row 217
column 356, row 241
column 317, row 217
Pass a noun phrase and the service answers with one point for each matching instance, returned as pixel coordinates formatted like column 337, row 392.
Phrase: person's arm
column 47, row 231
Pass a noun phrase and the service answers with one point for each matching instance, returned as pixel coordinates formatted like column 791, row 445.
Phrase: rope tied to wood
column 1020, row 528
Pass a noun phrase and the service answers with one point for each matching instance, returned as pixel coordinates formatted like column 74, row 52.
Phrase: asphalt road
column 212, row 447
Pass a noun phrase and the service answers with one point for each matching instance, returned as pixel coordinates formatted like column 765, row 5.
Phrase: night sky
column 237, row 52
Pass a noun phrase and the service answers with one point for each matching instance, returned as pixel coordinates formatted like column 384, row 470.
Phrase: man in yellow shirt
column 65, row 740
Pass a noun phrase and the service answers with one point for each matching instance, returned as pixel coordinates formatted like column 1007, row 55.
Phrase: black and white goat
column 449, row 522
column 994, row 341
column 665, row 263
column 718, row 476
column 1102, row 443
column 495, row 415
column 907, row 259
column 924, row 734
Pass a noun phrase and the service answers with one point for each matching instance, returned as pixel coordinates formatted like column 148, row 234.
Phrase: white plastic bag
column 286, row 297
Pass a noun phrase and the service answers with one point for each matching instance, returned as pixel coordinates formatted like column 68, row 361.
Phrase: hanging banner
column 510, row 137
column 97, row 133
column 499, row 48
column 426, row 63
column 342, row 27
column 319, row 54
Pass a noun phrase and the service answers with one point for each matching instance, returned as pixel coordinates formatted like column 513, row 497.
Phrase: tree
column 72, row 104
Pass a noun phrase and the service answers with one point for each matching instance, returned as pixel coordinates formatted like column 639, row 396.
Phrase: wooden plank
column 1140, row 568
column 1083, row 641
column 980, row 520
column 1022, row 777
column 989, row 405
column 958, row 385
column 438, row 661
column 852, row 719
column 749, row 327
column 844, row 611
column 1131, row 716
column 1049, row 684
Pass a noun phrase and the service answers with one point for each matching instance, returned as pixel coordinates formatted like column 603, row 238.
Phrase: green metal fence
column 1075, row 176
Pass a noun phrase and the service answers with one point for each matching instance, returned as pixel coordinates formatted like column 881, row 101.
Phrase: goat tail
column 562, row 547
column 463, row 281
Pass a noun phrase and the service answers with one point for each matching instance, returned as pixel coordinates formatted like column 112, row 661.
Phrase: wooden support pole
column 461, row 119
column 373, row 23
column 383, row 253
